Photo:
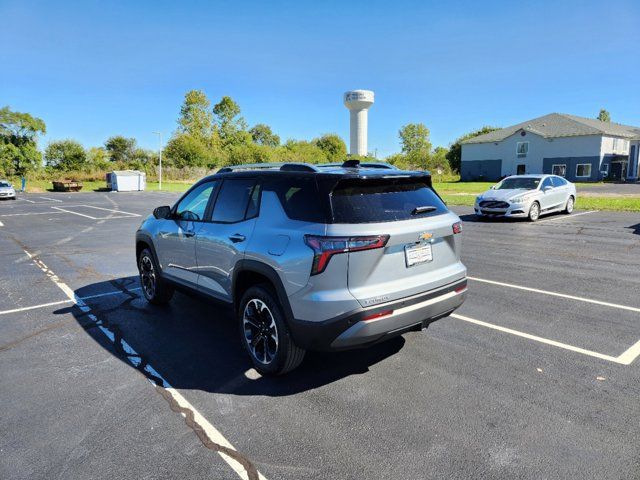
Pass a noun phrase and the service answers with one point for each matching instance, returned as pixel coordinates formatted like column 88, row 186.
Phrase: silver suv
column 321, row 258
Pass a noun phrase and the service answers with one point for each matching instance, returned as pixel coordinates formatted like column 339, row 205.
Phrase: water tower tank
column 358, row 103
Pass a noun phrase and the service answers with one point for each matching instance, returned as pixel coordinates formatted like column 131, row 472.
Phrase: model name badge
column 371, row 301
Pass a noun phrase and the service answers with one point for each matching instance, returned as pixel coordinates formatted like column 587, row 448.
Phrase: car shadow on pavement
column 195, row 344
column 635, row 228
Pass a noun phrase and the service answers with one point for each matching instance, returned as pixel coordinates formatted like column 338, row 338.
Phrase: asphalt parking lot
column 536, row 376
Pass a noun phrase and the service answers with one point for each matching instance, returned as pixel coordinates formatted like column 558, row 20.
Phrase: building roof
column 556, row 125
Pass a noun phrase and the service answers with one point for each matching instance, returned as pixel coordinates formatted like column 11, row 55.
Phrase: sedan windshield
column 4, row 184
column 529, row 183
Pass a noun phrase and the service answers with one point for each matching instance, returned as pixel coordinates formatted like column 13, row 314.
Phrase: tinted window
column 546, row 183
column 194, row 204
column 384, row 200
column 4, row 184
column 299, row 197
column 522, row 183
column 233, row 200
column 558, row 182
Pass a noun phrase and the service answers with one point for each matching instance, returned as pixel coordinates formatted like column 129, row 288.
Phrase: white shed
column 126, row 181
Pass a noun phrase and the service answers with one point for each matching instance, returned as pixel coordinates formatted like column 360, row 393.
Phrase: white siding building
column 580, row 149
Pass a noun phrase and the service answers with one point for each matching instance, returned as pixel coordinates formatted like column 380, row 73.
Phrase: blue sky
column 95, row 69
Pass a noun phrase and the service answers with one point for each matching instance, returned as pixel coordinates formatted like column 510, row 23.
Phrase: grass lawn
column 38, row 186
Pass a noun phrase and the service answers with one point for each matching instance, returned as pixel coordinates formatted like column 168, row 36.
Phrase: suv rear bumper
column 356, row 329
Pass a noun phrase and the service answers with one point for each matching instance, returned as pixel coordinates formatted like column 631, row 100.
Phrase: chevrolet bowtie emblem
column 425, row 236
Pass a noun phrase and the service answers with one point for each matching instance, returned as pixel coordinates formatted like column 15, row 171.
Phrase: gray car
column 309, row 258
column 527, row 196
column 7, row 191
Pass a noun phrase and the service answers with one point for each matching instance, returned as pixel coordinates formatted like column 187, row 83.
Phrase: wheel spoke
column 260, row 331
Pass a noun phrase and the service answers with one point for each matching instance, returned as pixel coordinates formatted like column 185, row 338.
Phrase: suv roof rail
column 299, row 167
column 283, row 166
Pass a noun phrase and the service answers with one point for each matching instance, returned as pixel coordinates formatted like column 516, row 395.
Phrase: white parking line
column 626, row 358
column 222, row 446
column 564, row 217
column 89, row 297
column 33, row 307
column 27, row 214
column 126, row 214
column 75, row 213
column 51, row 199
column 555, row 294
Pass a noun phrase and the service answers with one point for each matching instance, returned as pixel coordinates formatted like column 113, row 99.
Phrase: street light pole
column 160, row 159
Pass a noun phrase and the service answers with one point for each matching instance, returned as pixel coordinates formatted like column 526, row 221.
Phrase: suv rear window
column 384, row 200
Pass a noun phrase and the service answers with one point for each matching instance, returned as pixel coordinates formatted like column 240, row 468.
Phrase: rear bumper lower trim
column 410, row 311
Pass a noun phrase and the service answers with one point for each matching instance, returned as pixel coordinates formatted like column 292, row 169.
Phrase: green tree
column 262, row 134
column 454, row 155
column 98, row 158
column 301, row 151
column 187, row 151
column 231, row 126
column 196, row 118
column 65, row 155
column 120, row 149
column 333, row 147
column 414, row 138
column 18, row 135
column 604, row 115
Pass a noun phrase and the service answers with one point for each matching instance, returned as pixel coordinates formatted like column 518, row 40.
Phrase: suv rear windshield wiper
column 423, row 209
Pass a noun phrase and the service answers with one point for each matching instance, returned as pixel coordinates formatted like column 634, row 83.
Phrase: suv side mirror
column 163, row 212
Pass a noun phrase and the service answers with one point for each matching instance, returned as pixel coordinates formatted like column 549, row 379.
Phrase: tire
column 568, row 208
column 156, row 290
column 264, row 333
column 534, row 212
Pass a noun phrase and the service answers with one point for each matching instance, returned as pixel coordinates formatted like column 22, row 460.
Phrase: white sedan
column 6, row 190
column 527, row 196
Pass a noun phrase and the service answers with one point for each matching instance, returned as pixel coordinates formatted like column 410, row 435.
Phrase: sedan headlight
column 520, row 199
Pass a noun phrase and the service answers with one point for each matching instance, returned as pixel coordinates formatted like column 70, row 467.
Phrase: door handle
column 237, row 237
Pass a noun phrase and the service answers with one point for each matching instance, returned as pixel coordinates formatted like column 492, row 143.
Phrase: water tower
column 358, row 103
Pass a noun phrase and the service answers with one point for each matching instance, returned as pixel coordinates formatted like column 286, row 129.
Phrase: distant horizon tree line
column 208, row 137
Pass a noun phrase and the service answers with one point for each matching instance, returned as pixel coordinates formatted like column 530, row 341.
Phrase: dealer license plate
column 416, row 254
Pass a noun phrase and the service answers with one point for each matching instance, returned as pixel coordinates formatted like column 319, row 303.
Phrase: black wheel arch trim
column 145, row 238
column 248, row 265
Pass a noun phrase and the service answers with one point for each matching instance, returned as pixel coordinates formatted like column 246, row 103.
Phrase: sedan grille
column 493, row 204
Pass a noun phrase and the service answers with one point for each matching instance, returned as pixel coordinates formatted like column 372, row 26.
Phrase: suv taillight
column 326, row 247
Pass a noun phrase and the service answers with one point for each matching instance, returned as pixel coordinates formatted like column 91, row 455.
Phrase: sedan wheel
column 570, row 204
column 534, row 211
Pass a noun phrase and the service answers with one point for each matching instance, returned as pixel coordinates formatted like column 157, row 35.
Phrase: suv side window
column 233, row 200
column 194, row 204
column 546, row 183
column 299, row 197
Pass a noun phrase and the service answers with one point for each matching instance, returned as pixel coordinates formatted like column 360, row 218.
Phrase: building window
column 583, row 170
column 560, row 170
column 522, row 148
column 521, row 169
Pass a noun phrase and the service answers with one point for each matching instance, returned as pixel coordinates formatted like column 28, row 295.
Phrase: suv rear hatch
column 422, row 249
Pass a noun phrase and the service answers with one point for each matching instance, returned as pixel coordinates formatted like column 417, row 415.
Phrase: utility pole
column 160, row 159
